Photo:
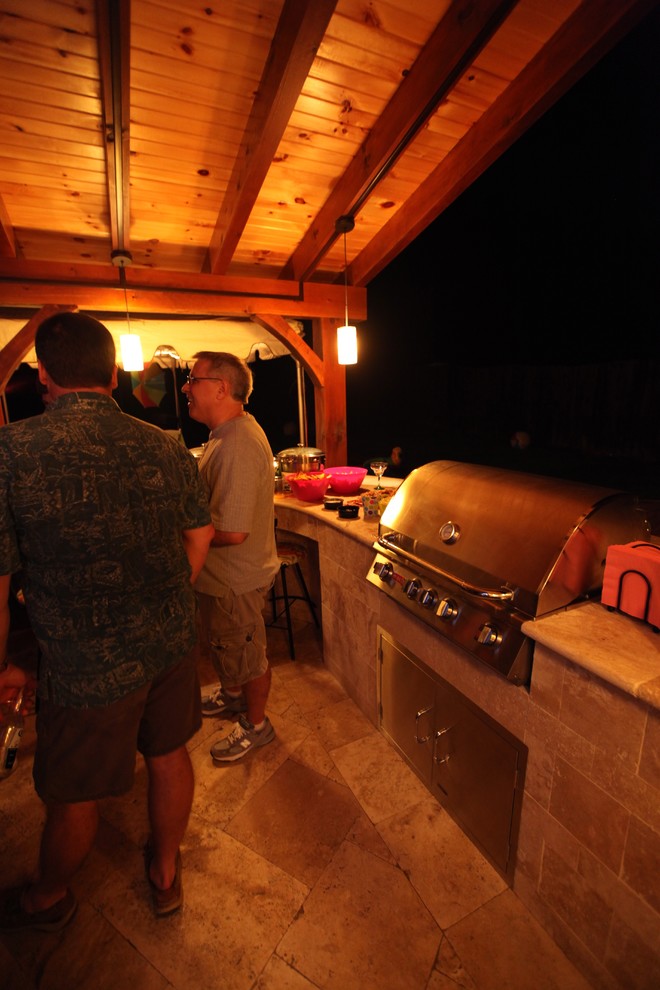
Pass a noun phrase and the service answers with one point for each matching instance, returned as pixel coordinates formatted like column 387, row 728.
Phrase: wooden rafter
column 453, row 46
column 114, row 23
column 299, row 32
column 595, row 27
column 7, row 240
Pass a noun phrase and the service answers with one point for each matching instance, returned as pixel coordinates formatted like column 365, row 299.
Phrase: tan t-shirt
column 237, row 468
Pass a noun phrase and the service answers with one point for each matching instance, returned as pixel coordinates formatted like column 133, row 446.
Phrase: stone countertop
column 363, row 530
column 617, row 648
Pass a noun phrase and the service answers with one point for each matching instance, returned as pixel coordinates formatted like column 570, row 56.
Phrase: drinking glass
column 379, row 468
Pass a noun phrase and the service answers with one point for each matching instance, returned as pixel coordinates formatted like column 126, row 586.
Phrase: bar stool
column 290, row 555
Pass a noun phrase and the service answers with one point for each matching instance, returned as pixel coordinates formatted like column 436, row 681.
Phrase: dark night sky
column 541, row 274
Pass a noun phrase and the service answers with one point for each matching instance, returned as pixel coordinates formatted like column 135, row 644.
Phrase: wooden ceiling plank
column 583, row 39
column 457, row 39
column 413, row 21
column 299, row 32
column 74, row 18
column 39, row 57
column 15, row 160
column 35, row 37
column 56, row 86
column 42, row 103
column 42, row 130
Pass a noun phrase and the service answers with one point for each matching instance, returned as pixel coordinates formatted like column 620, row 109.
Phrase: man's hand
column 13, row 680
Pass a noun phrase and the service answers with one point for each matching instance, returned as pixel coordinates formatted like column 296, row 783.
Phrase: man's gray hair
column 232, row 369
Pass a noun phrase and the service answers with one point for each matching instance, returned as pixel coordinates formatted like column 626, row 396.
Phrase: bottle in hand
column 12, row 723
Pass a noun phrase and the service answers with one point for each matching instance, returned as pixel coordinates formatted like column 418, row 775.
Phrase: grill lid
column 538, row 543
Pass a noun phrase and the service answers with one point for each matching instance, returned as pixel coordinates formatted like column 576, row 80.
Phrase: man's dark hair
column 76, row 350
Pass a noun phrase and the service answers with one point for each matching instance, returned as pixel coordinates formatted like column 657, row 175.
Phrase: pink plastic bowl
column 309, row 487
column 346, row 480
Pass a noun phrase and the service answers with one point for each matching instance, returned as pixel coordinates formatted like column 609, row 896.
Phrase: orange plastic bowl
column 346, row 480
column 309, row 486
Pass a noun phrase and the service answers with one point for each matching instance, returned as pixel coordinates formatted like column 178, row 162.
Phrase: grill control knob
column 489, row 635
column 383, row 571
column 412, row 588
column 447, row 609
column 450, row 532
column 428, row 598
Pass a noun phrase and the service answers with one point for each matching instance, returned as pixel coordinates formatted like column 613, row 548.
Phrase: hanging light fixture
column 346, row 335
column 132, row 357
column 130, row 344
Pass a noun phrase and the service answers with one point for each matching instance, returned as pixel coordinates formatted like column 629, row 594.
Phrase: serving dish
column 346, row 480
column 309, row 486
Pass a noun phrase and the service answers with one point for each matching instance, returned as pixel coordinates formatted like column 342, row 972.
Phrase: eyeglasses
column 191, row 379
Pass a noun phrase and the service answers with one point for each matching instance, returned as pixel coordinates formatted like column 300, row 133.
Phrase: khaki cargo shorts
column 233, row 628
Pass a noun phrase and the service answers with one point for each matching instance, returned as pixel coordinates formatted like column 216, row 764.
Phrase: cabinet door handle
column 421, row 739
column 436, row 758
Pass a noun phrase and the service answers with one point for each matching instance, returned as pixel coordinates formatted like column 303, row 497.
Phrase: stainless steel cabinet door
column 407, row 707
column 473, row 766
column 475, row 774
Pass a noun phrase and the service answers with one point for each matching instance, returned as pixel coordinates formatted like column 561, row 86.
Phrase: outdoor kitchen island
column 588, row 846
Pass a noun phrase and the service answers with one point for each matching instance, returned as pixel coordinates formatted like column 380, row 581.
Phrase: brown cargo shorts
column 233, row 628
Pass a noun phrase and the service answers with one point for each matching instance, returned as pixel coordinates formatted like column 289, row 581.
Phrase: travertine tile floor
column 320, row 862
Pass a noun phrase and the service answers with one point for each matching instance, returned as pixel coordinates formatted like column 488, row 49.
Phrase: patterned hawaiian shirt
column 92, row 505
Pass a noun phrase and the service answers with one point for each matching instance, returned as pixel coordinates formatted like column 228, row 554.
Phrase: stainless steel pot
column 301, row 458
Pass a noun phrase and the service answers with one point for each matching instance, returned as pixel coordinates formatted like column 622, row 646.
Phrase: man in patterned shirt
column 107, row 522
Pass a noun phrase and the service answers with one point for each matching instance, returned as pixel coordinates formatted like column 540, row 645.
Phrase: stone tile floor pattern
column 319, row 862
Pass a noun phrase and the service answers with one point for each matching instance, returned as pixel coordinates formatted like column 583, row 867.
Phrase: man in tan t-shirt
column 237, row 467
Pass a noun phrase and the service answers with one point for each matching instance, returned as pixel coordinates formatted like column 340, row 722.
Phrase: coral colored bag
column 631, row 582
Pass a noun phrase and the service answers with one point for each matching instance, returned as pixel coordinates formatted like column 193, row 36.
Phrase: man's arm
column 196, row 543
column 12, row 678
column 222, row 538
column 5, row 580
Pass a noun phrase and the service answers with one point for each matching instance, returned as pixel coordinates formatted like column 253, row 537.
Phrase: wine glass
column 379, row 468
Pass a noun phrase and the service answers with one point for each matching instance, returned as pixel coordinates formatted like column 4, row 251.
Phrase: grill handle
column 490, row 594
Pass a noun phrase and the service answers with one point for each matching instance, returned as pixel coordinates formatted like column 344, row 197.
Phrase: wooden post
column 13, row 352
column 330, row 399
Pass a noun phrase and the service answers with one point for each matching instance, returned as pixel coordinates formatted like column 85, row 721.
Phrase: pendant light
column 132, row 358
column 346, row 335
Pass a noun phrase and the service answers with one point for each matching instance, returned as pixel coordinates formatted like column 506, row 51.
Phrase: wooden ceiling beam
column 20, row 280
column 299, row 33
column 148, row 291
column 590, row 33
column 316, row 301
column 457, row 40
column 114, row 39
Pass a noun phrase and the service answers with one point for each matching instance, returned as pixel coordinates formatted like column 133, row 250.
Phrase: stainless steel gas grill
column 476, row 551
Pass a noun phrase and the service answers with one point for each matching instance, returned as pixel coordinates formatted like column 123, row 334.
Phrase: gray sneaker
column 219, row 704
column 241, row 740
